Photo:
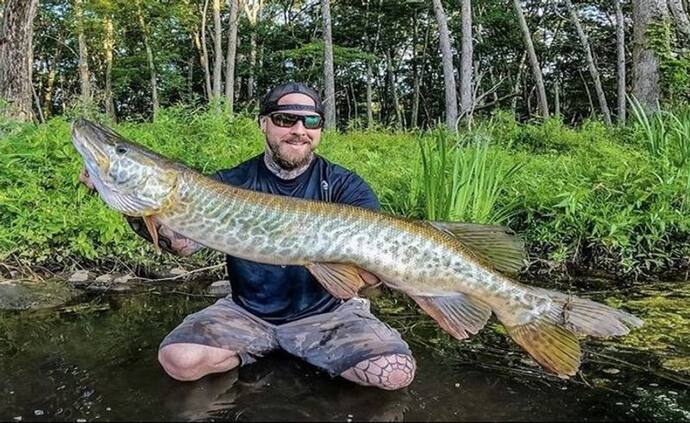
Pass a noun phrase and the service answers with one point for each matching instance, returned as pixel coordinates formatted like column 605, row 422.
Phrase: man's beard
column 287, row 163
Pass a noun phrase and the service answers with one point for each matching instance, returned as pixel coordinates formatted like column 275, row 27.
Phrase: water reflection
column 280, row 387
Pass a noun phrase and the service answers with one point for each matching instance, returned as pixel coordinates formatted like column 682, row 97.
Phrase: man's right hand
column 168, row 239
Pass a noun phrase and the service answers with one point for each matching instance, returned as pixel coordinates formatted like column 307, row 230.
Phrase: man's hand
column 86, row 180
column 168, row 239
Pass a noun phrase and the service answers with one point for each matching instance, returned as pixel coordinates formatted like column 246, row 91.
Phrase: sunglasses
column 287, row 120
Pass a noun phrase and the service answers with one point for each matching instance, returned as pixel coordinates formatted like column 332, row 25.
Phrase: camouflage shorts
column 334, row 341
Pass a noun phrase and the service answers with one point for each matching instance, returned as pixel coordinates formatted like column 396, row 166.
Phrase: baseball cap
column 269, row 103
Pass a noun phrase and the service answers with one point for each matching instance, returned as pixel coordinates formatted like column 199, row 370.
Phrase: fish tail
column 550, row 338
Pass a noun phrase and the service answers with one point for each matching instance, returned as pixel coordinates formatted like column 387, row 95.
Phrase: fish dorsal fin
column 340, row 280
column 457, row 313
column 494, row 244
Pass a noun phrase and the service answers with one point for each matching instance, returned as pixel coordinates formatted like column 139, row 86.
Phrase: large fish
column 458, row 273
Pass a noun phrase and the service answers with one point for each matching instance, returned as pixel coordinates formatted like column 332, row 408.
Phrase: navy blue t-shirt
column 280, row 294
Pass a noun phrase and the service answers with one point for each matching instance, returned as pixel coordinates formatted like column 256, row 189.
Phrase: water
column 98, row 362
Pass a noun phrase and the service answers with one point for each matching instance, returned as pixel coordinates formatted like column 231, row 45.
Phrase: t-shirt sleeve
column 353, row 190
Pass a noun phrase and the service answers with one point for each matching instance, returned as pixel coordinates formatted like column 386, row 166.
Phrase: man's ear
column 262, row 123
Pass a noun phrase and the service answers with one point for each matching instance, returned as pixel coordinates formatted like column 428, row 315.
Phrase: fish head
column 129, row 177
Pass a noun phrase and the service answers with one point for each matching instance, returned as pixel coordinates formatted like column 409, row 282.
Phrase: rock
column 104, row 278
column 611, row 371
column 123, row 279
column 79, row 276
column 219, row 288
column 26, row 295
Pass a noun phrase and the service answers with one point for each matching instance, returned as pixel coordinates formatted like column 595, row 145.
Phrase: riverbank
column 587, row 200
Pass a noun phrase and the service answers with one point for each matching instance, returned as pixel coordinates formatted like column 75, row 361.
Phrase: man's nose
column 298, row 128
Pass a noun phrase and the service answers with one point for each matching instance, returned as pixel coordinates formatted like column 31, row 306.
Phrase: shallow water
column 97, row 361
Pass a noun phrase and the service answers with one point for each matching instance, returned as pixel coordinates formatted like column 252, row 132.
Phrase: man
column 285, row 307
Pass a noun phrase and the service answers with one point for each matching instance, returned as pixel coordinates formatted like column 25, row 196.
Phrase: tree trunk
column 328, row 72
column 370, row 112
column 84, row 74
column 645, row 62
column 108, row 45
column 50, row 84
column 589, row 94
column 230, row 57
column 252, row 64
column 391, row 81
column 536, row 69
column 448, row 74
column 149, row 58
column 556, row 99
column 466, row 68
column 620, row 61
column 16, row 57
column 218, row 50
column 518, row 79
column 204, row 51
column 593, row 71
column 680, row 16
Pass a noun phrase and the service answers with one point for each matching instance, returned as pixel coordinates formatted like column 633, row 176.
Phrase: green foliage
column 592, row 196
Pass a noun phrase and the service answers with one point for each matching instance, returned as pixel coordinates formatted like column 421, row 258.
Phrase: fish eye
column 120, row 149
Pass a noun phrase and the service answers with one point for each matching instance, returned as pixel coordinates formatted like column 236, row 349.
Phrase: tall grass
column 463, row 180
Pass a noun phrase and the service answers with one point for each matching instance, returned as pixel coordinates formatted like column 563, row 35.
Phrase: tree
column 646, row 89
column 149, row 58
column 230, row 57
column 620, row 61
column 218, row 50
column 448, row 73
column 84, row 74
column 16, row 57
column 536, row 68
column 593, row 71
column 466, row 68
column 328, row 72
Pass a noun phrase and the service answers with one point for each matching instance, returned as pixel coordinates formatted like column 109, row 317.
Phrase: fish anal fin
column 552, row 346
column 340, row 279
column 457, row 313
column 151, row 226
column 494, row 244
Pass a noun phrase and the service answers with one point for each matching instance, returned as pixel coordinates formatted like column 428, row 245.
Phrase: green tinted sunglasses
column 287, row 120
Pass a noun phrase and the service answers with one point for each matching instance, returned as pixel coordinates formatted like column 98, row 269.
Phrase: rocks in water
column 219, row 288
column 31, row 295
column 112, row 282
column 79, row 276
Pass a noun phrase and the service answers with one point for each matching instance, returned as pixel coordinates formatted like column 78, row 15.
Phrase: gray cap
column 269, row 103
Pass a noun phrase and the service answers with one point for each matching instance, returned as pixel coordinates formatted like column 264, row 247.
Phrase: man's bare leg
column 187, row 362
column 388, row 372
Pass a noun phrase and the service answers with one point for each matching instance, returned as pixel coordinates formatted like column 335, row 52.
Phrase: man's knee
column 188, row 362
column 394, row 371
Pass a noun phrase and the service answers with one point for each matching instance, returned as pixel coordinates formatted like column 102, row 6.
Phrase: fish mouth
column 90, row 140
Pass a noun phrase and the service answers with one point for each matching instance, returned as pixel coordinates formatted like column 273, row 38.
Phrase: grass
column 592, row 196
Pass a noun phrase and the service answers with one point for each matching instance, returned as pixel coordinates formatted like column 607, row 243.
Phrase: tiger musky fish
column 457, row 273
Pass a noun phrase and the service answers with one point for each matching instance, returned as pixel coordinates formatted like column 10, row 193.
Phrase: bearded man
column 284, row 307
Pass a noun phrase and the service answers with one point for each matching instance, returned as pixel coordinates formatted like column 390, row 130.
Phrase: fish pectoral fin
column 457, row 313
column 151, row 226
column 340, row 279
column 494, row 244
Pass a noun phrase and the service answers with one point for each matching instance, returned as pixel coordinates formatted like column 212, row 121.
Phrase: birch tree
column 218, row 53
column 149, row 58
column 645, row 61
column 328, row 72
column 466, row 66
column 448, row 73
column 16, row 57
column 230, row 57
column 593, row 71
column 534, row 62
column 84, row 74
column 620, row 61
